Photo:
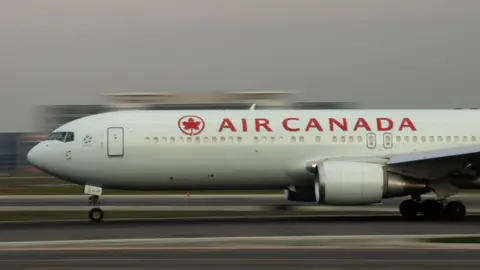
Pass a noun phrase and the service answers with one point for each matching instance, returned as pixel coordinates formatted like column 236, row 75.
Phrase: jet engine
column 356, row 183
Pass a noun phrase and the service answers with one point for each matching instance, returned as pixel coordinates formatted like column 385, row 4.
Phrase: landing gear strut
column 433, row 209
column 95, row 214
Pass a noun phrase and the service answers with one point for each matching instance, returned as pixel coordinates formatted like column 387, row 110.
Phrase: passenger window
column 189, row 139
column 301, row 139
column 432, row 139
column 239, row 139
column 342, row 139
column 350, row 139
column 424, row 139
column 457, row 139
column 360, row 139
column 272, row 139
column 155, row 139
column 440, row 138
column 399, row 138
column 255, row 139
column 197, row 140
column 334, row 139
column 205, row 140
column 293, row 139
column 214, row 139
column 172, row 140
column 449, row 139
column 406, row 139
column 318, row 138
column 264, row 139
column 414, row 139
column 230, row 139
column 164, row 139
column 222, row 139
column 474, row 139
column 465, row 139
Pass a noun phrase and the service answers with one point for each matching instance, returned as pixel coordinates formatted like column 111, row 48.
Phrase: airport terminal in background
column 15, row 146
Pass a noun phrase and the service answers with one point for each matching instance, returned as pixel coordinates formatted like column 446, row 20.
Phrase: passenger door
column 115, row 142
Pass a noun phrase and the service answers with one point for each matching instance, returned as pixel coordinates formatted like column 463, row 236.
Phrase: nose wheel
column 433, row 209
column 96, row 214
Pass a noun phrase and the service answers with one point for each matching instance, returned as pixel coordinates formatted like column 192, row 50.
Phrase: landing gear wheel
column 409, row 209
column 431, row 209
column 96, row 215
column 455, row 210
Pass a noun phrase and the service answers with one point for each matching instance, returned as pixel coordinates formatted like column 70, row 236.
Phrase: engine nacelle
column 356, row 183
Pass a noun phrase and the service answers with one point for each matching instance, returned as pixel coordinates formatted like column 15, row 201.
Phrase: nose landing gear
column 95, row 214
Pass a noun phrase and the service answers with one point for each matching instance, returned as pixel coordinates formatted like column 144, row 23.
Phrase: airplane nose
column 33, row 156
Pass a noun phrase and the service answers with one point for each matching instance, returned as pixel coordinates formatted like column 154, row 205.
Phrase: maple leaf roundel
column 191, row 125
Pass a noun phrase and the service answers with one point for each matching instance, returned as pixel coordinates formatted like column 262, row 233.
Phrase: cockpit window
column 61, row 136
column 70, row 137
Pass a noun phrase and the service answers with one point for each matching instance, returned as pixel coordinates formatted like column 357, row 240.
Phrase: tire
column 96, row 215
column 455, row 210
column 409, row 209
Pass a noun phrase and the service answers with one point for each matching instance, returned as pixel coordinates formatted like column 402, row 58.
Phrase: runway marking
column 224, row 248
column 272, row 259
column 236, row 238
column 88, row 244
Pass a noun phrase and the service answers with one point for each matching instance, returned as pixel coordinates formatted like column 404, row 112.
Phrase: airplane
column 329, row 157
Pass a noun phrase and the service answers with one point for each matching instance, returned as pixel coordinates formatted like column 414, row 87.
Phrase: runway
column 352, row 223
column 223, row 227
column 239, row 259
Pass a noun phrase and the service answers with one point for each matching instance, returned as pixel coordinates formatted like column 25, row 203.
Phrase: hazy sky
column 382, row 53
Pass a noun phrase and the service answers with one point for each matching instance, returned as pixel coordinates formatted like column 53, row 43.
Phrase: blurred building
column 198, row 100
column 13, row 151
column 8, row 151
column 54, row 116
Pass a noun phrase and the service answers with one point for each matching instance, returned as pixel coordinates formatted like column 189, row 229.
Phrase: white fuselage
column 263, row 149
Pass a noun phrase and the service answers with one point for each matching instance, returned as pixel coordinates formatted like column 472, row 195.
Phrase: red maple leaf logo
column 191, row 125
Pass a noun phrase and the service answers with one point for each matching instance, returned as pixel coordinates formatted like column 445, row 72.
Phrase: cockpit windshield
column 61, row 136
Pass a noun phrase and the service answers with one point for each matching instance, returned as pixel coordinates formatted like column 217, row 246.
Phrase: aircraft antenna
column 252, row 107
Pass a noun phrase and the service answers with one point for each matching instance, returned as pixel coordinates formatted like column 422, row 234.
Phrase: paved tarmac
column 240, row 259
column 223, row 227
column 262, row 258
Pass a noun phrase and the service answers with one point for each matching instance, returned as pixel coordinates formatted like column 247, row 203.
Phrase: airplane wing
column 448, row 153
column 437, row 163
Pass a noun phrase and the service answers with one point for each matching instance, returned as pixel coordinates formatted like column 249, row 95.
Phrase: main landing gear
column 95, row 214
column 433, row 209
